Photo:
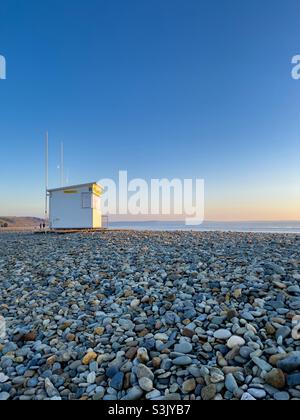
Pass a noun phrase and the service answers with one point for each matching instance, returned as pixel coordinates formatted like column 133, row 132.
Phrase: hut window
column 86, row 200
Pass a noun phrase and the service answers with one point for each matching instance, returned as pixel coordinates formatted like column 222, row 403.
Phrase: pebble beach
column 130, row 315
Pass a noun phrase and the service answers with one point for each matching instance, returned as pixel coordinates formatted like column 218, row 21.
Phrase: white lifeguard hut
column 75, row 207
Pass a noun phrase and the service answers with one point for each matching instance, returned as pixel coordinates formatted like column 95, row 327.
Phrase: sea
column 259, row 227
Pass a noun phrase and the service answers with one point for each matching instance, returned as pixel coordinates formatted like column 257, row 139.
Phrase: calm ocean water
column 265, row 227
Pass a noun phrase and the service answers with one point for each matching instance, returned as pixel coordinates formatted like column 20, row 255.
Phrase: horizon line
column 178, row 220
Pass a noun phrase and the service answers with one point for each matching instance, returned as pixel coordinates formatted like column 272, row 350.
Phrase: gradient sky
column 162, row 88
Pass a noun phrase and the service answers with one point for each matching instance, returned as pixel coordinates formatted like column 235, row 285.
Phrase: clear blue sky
column 162, row 88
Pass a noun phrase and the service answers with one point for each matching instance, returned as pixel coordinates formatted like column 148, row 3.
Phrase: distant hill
column 20, row 222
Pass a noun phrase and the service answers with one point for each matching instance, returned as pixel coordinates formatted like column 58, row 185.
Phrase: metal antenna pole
column 46, row 174
column 62, row 165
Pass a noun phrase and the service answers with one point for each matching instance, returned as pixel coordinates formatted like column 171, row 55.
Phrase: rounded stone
column 99, row 330
column 89, row 357
column 222, row 334
column 142, row 355
column 134, row 394
column 184, row 348
column 144, row 372
column 209, row 392
column 91, row 378
column 282, row 396
column 247, row 397
column 259, row 394
column 4, row 396
column 117, row 381
column 235, row 341
column 182, row 361
column 3, row 378
column 188, row 386
column 153, row 394
column 161, row 337
column 216, row 376
column 231, row 383
column 135, row 303
column 156, row 362
column 290, row 363
column 283, row 332
column 146, row 384
column 276, row 378
column 293, row 380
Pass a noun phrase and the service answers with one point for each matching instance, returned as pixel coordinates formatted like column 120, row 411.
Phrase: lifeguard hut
column 75, row 207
